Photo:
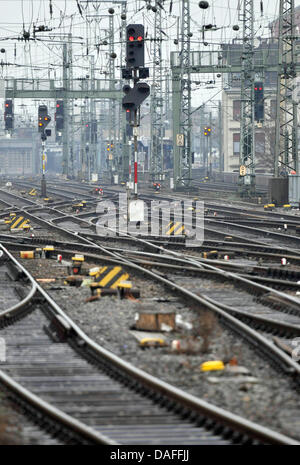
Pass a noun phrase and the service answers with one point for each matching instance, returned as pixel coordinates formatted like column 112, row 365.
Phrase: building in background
column 19, row 153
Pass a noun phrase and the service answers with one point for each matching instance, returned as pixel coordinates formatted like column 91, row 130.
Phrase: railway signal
column 43, row 119
column 207, row 131
column 134, row 97
column 135, row 53
column 259, row 101
column 59, row 116
column 8, row 115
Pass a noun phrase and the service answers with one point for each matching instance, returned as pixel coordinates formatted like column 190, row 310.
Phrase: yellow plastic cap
column 212, row 365
column 152, row 341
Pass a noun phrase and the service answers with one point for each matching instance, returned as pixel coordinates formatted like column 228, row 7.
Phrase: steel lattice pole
column 286, row 150
column 185, row 65
column 247, row 134
column 157, row 100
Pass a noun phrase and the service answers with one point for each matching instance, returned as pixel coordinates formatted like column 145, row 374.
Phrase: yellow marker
column 78, row 258
column 112, row 276
column 212, row 365
column 152, row 341
column 27, row 254
column 48, row 248
column 19, row 223
column 287, row 205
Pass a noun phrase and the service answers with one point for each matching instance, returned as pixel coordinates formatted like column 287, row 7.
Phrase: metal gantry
column 286, row 150
column 157, row 123
column 247, row 132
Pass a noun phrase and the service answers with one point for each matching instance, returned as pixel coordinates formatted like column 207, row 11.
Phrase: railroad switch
column 59, row 329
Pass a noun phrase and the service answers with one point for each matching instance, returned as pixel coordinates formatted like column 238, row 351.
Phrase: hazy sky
column 92, row 26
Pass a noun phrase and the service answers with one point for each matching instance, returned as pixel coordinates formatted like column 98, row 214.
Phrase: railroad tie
column 111, row 276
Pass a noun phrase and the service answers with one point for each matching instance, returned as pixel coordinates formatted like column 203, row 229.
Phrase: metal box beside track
column 278, row 191
column 294, row 190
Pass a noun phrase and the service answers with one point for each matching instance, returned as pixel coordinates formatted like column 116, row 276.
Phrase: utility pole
column 123, row 154
column 286, row 149
column 65, row 135
column 247, row 133
column 93, row 122
column 157, row 100
column 182, row 159
column 112, row 102
column 220, row 128
column 70, row 52
column 210, row 145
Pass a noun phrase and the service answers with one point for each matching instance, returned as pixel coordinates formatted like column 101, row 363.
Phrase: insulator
column 204, row 5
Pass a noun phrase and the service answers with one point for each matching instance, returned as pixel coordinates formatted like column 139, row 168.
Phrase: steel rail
column 195, row 404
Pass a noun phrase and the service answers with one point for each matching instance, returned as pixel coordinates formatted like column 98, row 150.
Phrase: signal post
column 43, row 121
column 134, row 96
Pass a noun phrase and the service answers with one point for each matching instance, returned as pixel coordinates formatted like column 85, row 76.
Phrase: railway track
column 107, row 401
column 273, row 353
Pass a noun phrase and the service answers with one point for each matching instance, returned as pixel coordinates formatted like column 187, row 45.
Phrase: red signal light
column 86, row 125
column 7, row 105
column 260, row 88
column 131, row 38
column 140, row 38
column 57, row 105
column 255, row 88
